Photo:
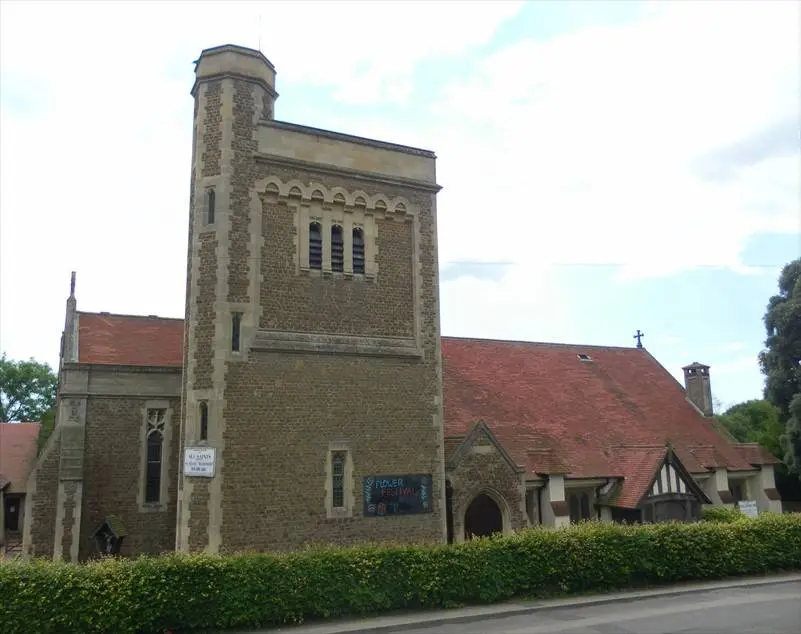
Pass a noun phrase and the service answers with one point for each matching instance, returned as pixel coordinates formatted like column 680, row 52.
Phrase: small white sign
column 748, row 508
column 199, row 462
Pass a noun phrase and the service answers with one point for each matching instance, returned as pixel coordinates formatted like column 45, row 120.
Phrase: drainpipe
column 539, row 505
column 597, row 495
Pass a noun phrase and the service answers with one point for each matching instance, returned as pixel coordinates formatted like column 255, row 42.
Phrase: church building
column 308, row 396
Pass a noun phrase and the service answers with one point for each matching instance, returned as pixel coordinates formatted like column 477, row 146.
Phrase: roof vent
column 584, row 357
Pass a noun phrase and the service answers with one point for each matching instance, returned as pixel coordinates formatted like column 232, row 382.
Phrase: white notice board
column 199, row 462
column 748, row 508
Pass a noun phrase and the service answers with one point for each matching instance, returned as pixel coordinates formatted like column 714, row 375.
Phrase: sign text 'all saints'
column 199, row 462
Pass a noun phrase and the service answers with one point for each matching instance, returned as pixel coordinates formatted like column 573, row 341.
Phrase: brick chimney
column 698, row 387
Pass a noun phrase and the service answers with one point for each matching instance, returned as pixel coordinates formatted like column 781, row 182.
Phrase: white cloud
column 589, row 141
column 366, row 51
column 96, row 131
column 578, row 149
column 512, row 308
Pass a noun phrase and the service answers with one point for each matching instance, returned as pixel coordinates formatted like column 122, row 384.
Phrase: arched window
column 337, row 249
column 156, row 419
column 204, row 421
column 338, row 480
column 211, row 203
column 358, row 251
column 315, row 246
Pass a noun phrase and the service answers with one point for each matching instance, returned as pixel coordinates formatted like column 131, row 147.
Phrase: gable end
column 479, row 430
column 671, row 478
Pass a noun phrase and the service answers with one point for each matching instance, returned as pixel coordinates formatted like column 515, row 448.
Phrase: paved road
column 771, row 609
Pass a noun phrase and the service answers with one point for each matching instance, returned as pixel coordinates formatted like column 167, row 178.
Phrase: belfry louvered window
column 337, row 249
column 358, row 251
column 315, row 246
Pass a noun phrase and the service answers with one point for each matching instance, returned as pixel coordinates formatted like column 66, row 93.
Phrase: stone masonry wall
column 313, row 304
column 113, row 462
column 283, row 411
column 244, row 145
column 68, row 519
column 204, row 328
column 212, row 136
column 485, row 469
column 384, row 307
column 43, row 499
column 199, row 516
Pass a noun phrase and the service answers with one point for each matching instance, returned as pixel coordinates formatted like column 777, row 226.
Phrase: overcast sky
column 606, row 166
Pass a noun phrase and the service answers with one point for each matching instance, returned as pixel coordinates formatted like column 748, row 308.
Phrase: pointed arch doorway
column 483, row 517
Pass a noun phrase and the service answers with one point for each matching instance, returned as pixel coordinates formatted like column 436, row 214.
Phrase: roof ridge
column 108, row 314
column 667, row 372
column 549, row 344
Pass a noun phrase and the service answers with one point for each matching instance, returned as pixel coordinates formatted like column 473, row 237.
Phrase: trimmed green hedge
column 193, row 592
column 722, row 514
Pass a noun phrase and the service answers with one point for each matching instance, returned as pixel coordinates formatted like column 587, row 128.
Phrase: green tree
column 781, row 365
column 792, row 437
column 781, row 360
column 27, row 390
column 756, row 421
column 45, row 430
column 760, row 421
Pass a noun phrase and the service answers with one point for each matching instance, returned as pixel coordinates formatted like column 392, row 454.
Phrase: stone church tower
column 312, row 349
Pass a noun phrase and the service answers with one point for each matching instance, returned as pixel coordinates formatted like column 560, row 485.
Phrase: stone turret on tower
column 234, row 90
column 237, row 62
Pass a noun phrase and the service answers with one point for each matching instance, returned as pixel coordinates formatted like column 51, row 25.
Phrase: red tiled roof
column 756, row 454
column 537, row 396
column 17, row 453
column 710, row 456
column 553, row 412
column 639, row 465
column 546, row 461
column 130, row 340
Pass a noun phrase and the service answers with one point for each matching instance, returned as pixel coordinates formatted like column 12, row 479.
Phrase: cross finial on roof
column 639, row 337
column 72, row 284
